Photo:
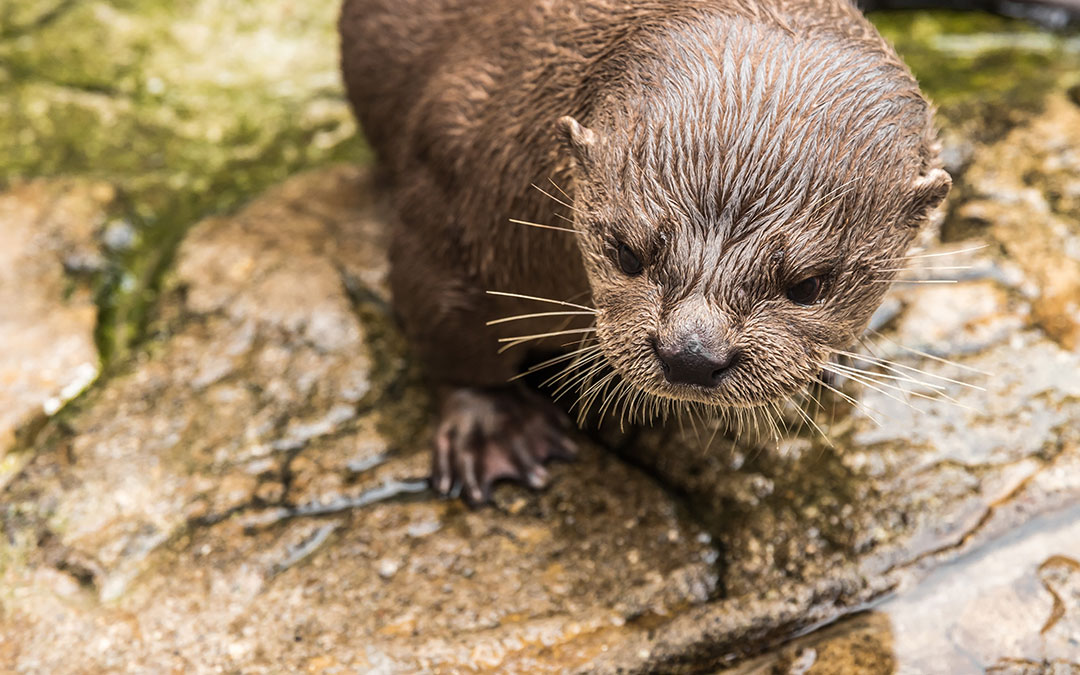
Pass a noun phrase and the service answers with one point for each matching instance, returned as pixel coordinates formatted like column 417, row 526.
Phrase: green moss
column 188, row 107
column 985, row 73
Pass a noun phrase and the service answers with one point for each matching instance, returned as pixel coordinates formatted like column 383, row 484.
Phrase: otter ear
column 581, row 141
column 929, row 191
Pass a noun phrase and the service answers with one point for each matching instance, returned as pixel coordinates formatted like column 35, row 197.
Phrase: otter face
column 727, row 266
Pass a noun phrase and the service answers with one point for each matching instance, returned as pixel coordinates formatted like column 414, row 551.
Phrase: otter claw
column 490, row 435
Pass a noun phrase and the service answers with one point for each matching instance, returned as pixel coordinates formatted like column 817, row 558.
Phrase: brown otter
column 737, row 177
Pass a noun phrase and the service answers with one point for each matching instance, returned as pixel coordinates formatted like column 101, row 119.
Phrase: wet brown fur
column 736, row 146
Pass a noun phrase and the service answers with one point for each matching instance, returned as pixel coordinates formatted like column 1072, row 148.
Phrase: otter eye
column 628, row 262
column 807, row 291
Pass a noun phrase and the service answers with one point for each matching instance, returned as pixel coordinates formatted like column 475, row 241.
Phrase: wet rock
column 275, row 518
column 862, row 645
column 47, row 317
column 1025, row 196
column 1015, row 599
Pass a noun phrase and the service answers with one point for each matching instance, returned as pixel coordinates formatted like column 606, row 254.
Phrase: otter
column 723, row 189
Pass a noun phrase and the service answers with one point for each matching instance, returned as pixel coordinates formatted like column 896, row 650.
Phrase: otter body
column 736, row 179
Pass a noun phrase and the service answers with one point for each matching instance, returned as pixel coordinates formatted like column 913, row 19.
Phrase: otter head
column 739, row 223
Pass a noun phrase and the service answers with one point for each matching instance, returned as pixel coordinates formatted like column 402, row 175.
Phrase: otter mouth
column 693, row 393
column 693, row 374
column 714, row 382
column 694, row 369
column 656, row 380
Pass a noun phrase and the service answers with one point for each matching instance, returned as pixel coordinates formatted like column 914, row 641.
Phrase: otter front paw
column 486, row 435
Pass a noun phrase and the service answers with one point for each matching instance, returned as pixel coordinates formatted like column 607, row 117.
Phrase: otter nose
column 691, row 362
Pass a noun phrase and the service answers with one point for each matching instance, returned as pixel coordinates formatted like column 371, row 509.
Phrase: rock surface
column 275, row 435
column 47, row 319
column 243, row 491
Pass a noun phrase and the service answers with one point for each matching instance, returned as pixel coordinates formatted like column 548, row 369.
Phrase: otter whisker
column 576, row 373
column 521, row 339
column 939, row 390
column 751, row 415
column 578, row 354
column 738, row 426
column 610, row 398
column 937, row 396
column 856, row 404
column 809, row 394
column 913, row 281
column 600, row 391
column 645, row 408
column 892, row 366
column 542, row 226
column 809, row 418
column 866, row 382
column 770, row 422
column 756, row 416
column 778, row 421
column 580, row 341
column 618, row 407
column 718, row 421
column 656, row 407
column 564, row 357
column 896, row 382
column 638, row 404
column 624, row 392
column 586, row 400
column 589, row 356
column 553, row 197
column 561, row 191
column 901, row 378
column 538, row 314
column 538, row 299
column 779, row 410
column 941, row 253
column 924, row 269
column 940, row 393
column 877, row 378
column 575, row 380
column 678, row 418
column 791, row 402
column 693, row 423
column 936, row 358
column 623, row 405
column 578, row 378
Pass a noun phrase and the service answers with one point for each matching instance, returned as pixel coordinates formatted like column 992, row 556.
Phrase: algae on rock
column 187, row 108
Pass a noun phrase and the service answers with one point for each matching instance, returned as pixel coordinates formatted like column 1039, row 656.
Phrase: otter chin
column 739, row 180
